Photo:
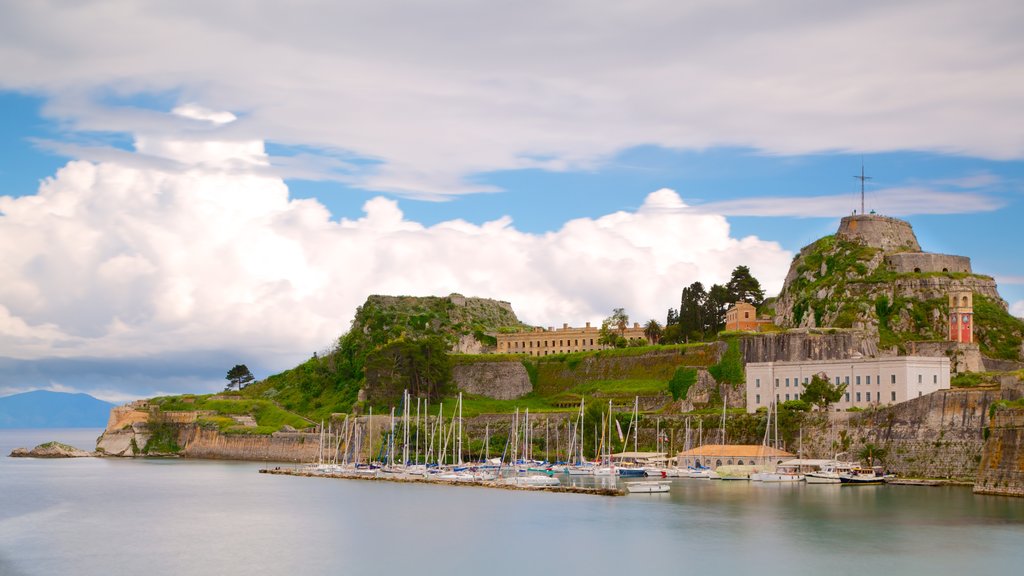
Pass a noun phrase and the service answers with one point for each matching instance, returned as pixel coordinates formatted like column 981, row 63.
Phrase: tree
column 743, row 286
column 717, row 302
column 421, row 366
column 691, row 310
column 238, row 377
column 821, row 392
column 619, row 319
column 870, row 453
column 672, row 317
column 653, row 331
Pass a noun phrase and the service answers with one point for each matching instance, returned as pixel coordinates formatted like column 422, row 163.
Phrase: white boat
column 605, row 471
column 579, row 470
column 647, row 487
column 532, row 481
column 655, row 472
column 829, row 473
column 781, row 474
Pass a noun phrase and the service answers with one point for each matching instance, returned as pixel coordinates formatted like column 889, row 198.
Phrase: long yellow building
column 541, row 342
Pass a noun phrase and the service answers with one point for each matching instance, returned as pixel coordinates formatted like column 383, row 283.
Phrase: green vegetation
column 163, row 438
column 821, row 392
column 729, row 370
column 999, row 334
column 681, row 382
column 268, row 415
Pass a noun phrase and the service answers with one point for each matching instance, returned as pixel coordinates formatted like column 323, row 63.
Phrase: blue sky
column 235, row 199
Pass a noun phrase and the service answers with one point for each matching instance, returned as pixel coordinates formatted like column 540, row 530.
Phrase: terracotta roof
column 737, row 451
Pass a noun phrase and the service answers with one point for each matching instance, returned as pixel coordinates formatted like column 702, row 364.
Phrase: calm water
column 110, row 517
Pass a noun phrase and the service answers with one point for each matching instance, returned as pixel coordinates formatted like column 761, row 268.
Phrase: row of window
column 867, row 397
column 718, row 462
column 550, row 343
column 846, row 380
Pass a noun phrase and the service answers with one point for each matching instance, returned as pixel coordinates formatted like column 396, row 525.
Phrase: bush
column 681, row 382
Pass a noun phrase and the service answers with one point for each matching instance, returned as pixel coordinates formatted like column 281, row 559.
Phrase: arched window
column 918, row 270
column 945, row 269
column 729, row 462
column 718, row 463
column 740, row 462
column 965, row 301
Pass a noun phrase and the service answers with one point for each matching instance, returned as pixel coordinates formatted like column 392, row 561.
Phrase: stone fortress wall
column 909, row 262
column 889, row 234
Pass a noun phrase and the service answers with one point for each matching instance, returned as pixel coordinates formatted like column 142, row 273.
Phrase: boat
column 647, row 487
column 782, row 473
column 862, row 476
column 829, row 473
column 631, row 472
column 532, row 481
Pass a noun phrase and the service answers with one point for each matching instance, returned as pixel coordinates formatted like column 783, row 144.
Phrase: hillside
column 330, row 382
column 44, row 409
column 883, row 282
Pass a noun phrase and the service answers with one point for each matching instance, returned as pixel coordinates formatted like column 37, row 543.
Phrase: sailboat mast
column 636, row 422
column 460, row 427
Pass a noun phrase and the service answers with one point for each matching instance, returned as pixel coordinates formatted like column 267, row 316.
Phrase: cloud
column 891, row 201
column 1017, row 309
column 155, row 280
column 437, row 93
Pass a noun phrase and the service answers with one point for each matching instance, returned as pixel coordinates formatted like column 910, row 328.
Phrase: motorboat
column 647, row 487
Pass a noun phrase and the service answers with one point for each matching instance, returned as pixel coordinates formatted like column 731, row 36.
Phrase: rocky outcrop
column 128, row 440
column 51, row 450
column 498, row 380
column 798, row 346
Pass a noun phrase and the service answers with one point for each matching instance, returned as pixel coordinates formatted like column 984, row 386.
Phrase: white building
column 870, row 381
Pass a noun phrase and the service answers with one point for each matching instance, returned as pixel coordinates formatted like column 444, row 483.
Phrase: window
column 740, row 462
column 758, row 400
column 777, row 398
column 718, row 463
column 787, row 397
column 805, row 381
column 846, row 380
column 867, row 380
column 858, row 396
column 837, row 380
column 776, row 382
column 757, row 382
column 787, row 382
column 919, row 393
column 935, row 378
column 847, row 396
column 892, row 378
column 894, row 396
column 858, row 380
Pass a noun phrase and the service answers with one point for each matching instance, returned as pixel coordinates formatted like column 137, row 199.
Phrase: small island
column 50, row 450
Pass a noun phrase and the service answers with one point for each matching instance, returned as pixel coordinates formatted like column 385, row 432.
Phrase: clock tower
column 961, row 317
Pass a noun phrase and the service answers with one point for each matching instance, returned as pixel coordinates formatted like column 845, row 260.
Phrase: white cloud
column 890, row 201
column 112, row 261
column 437, row 92
column 1017, row 309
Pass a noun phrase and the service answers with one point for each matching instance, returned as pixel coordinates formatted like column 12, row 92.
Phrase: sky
column 188, row 186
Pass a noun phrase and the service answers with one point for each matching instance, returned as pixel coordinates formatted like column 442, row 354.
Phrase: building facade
column 541, row 342
column 742, row 316
column 870, row 381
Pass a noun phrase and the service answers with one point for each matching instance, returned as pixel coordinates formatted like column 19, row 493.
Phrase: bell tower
column 961, row 316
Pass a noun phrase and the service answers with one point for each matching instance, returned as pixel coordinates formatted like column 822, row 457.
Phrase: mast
column 460, row 427
column 636, row 422
column 417, row 457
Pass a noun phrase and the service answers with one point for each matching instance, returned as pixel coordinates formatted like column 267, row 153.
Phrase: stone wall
column 939, row 435
column 879, row 231
column 197, row 442
column 800, row 345
column 962, row 357
column 908, row 262
column 1002, row 462
column 500, row 380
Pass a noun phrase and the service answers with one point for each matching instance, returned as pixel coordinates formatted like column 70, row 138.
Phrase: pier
column 413, row 479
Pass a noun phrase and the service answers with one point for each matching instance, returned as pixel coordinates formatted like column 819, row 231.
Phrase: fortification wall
column 1002, row 463
column 796, row 346
column 883, row 232
column 125, row 416
column 939, row 435
column 962, row 357
column 279, row 447
column 908, row 262
column 500, row 380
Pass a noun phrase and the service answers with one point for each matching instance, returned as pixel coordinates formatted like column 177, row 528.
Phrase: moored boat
column 647, row 487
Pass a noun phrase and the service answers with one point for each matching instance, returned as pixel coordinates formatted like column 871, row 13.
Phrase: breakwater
column 410, row 479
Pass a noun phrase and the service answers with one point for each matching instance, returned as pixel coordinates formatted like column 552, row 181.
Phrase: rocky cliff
column 800, row 345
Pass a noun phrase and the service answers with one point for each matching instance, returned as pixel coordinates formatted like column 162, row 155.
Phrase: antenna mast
column 862, row 178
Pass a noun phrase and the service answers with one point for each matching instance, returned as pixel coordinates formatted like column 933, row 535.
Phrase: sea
column 108, row 517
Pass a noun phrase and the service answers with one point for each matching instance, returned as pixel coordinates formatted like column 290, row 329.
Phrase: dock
column 410, row 479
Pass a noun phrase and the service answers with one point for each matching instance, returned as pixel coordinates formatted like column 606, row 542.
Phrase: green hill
column 843, row 281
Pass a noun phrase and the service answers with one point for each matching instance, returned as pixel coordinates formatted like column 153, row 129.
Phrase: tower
column 961, row 316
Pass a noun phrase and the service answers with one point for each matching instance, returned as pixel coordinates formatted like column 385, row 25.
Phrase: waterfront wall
column 197, row 442
column 500, row 380
column 1002, row 462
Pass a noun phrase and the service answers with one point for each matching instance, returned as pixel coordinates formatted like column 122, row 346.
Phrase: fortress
column 897, row 239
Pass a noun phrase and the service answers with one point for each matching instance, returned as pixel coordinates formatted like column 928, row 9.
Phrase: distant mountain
column 44, row 409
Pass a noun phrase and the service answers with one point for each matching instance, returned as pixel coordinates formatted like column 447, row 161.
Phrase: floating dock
column 386, row 477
